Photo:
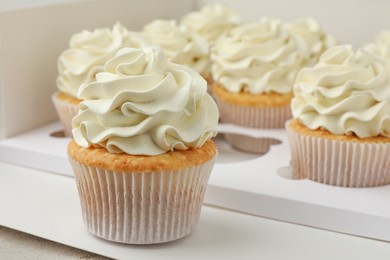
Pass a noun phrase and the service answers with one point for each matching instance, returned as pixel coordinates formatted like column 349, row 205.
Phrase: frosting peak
column 381, row 47
column 345, row 92
column 143, row 104
column 212, row 21
column 315, row 37
column 181, row 45
column 88, row 52
column 383, row 38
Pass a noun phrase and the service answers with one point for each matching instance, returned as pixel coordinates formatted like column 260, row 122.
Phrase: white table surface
column 19, row 245
column 46, row 205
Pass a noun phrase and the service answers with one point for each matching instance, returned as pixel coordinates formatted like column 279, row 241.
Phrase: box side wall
column 9, row 5
column 33, row 39
column 2, row 111
column 350, row 21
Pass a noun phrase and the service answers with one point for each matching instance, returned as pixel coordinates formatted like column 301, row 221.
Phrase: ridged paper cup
column 339, row 162
column 66, row 111
column 141, row 207
column 253, row 117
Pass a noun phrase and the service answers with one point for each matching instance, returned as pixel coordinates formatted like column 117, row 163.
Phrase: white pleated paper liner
column 253, row 117
column 141, row 207
column 66, row 111
column 337, row 162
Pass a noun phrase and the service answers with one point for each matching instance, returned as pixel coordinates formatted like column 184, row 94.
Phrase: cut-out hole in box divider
column 245, row 182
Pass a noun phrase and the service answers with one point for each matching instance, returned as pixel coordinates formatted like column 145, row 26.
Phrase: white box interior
column 31, row 40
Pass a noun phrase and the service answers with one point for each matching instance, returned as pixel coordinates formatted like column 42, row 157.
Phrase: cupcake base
column 338, row 160
column 259, row 114
column 141, row 207
column 67, row 107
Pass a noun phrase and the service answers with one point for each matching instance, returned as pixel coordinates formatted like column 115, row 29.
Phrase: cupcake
column 340, row 134
column 210, row 23
column 317, row 40
column 87, row 53
column 142, row 153
column 254, row 66
column 180, row 44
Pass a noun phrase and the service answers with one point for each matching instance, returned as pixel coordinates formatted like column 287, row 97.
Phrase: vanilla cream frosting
column 180, row 44
column 380, row 51
column 259, row 57
column 315, row 37
column 347, row 93
column 212, row 21
column 381, row 46
column 143, row 104
column 383, row 37
column 87, row 53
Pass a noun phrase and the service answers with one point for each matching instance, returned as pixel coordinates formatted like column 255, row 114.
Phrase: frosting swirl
column 346, row 93
column 142, row 104
column 380, row 51
column 260, row 57
column 383, row 38
column 381, row 47
column 179, row 44
column 212, row 21
column 315, row 37
column 88, row 52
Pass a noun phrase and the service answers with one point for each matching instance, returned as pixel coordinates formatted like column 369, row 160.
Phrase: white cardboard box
column 31, row 40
